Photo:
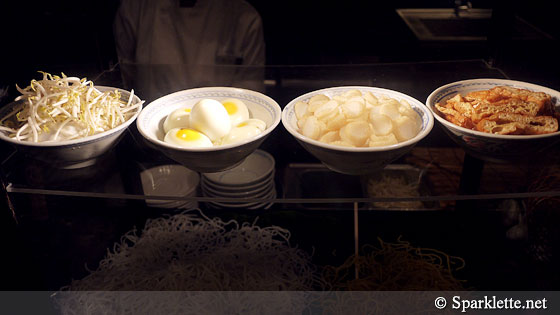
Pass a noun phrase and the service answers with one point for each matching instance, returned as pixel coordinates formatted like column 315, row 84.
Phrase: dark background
column 76, row 37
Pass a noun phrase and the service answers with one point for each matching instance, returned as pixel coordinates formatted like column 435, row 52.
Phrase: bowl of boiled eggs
column 209, row 129
column 357, row 129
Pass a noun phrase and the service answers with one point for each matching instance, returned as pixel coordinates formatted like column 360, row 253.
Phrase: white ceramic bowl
column 356, row 161
column 217, row 158
column 486, row 146
column 72, row 153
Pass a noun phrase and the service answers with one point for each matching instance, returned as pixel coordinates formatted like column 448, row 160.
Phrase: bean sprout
column 60, row 108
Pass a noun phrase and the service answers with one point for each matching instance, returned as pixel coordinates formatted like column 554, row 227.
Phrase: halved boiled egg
column 179, row 118
column 240, row 133
column 237, row 110
column 253, row 122
column 211, row 118
column 187, row 138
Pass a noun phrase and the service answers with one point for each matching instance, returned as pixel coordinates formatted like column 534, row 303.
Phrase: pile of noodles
column 191, row 252
column 188, row 252
column 396, row 267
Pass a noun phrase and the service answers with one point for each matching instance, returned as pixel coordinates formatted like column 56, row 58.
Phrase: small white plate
column 257, row 166
column 251, row 194
column 170, row 181
column 234, row 194
column 249, row 205
column 237, row 189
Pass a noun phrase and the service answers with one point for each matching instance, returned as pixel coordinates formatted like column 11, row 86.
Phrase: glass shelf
column 466, row 207
column 117, row 174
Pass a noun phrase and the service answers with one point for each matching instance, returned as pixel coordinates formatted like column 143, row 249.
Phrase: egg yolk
column 230, row 107
column 188, row 110
column 188, row 135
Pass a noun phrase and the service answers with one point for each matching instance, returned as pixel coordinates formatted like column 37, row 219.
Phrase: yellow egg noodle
column 60, row 108
column 396, row 267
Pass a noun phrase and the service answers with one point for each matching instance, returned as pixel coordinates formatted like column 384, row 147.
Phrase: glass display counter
column 499, row 218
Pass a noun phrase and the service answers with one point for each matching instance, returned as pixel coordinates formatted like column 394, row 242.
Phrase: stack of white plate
column 252, row 179
column 170, row 181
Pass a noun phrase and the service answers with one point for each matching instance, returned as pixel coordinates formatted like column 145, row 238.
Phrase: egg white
column 237, row 110
column 211, row 118
column 253, row 122
column 239, row 134
column 179, row 118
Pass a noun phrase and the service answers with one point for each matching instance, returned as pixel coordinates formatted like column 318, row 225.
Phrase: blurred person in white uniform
column 165, row 46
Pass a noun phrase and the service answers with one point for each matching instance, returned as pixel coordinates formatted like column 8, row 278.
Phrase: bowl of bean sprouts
column 67, row 121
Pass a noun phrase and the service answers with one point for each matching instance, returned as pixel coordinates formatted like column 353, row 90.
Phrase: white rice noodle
column 190, row 252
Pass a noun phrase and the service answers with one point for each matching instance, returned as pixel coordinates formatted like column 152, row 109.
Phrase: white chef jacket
column 164, row 47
